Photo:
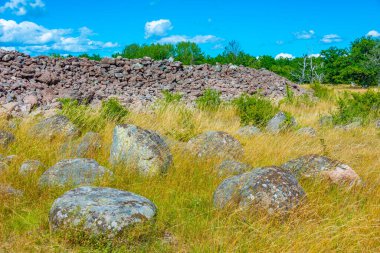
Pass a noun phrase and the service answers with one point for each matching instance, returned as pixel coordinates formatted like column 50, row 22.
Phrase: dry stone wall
column 29, row 81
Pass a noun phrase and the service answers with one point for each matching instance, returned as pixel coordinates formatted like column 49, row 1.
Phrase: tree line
column 358, row 64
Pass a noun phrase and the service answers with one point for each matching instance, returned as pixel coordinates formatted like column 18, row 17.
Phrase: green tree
column 189, row 53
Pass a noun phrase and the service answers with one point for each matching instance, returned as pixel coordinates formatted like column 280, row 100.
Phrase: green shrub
column 171, row 97
column 289, row 94
column 254, row 110
column 186, row 127
column 89, row 119
column 113, row 111
column 355, row 106
column 210, row 100
column 321, row 91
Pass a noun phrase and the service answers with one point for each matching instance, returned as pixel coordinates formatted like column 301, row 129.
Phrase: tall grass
column 334, row 219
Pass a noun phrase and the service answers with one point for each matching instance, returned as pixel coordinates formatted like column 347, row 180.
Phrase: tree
column 189, row 53
column 334, row 61
column 231, row 52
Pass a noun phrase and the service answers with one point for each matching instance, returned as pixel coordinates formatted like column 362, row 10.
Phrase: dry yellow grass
column 334, row 219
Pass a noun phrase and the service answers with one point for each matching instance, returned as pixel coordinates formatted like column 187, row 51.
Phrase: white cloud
column 284, row 56
column 31, row 37
column 199, row 39
column 157, row 28
column 314, row 55
column 373, row 33
column 21, row 7
column 8, row 48
column 305, row 35
column 28, row 32
column 331, row 38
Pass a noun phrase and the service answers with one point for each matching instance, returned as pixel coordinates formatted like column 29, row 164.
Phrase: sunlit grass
column 334, row 219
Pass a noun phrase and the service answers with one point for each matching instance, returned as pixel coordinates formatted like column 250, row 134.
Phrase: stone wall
column 29, row 81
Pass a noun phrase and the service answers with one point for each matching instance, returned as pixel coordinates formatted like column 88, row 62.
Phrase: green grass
column 334, row 219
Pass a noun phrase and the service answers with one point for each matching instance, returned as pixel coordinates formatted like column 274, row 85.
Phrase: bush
column 86, row 118
column 355, row 106
column 171, row 97
column 254, row 110
column 321, row 91
column 210, row 100
column 113, row 111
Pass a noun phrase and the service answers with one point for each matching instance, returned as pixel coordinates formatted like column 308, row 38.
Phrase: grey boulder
column 6, row 138
column 140, row 149
column 231, row 167
column 280, row 122
column 99, row 210
column 315, row 165
column 79, row 171
column 248, row 131
column 268, row 189
column 307, row 131
column 215, row 144
column 30, row 166
column 57, row 125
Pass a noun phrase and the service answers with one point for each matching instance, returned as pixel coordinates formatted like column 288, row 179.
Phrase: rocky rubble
column 27, row 82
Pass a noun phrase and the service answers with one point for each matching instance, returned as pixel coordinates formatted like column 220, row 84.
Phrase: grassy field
column 334, row 219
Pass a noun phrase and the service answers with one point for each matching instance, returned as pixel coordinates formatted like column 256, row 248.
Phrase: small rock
column 230, row 167
column 307, row 131
column 30, row 166
column 31, row 100
column 9, row 107
column 57, row 125
column 6, row 190
column 377, row 123
column 137, row 66
column 79, row 171
column 6, row 138
column 315, row 165
column 326, row 120
column 350, row 126
column 99, row 210
column 280, row 122
column 140, row 149
column 215, row 144
column 248, row 131
column 270, row 189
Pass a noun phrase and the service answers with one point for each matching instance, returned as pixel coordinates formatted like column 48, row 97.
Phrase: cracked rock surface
column 99, row 210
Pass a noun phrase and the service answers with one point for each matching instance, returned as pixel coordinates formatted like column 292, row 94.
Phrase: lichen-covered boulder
column 215, row 144
column 280, row 122
column 307, row 131
column 248, row 131
column 140, row 149
column 231, row 167
column 79, row 171
column 30, row 166
column 90, row 143
column 57, row 125
column 315, row 165
column 97, row 210
column 269, row 189
column 6, row 138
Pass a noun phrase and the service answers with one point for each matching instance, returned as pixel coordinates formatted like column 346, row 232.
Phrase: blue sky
column 289, row 28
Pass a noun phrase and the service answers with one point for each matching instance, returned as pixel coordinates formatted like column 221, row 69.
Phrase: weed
column 209, row 101
column 254, row 110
